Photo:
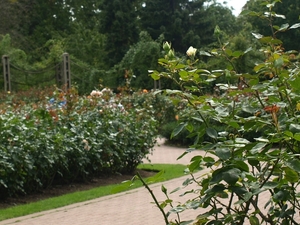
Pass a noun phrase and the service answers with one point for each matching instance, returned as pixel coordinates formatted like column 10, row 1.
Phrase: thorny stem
column 178, row 217
column 259, row 99
column 154, row 198
column 222, row 204
column 230, row 203
column 265, row 218
column 270, row 174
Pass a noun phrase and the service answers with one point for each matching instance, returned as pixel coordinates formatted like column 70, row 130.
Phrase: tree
column 139, row 58
column 168, row 18
column 118, row 21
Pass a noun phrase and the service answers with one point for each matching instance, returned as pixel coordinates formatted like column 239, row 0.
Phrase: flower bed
column 69, row 137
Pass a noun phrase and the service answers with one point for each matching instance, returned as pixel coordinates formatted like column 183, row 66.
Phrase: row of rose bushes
column 71, row 137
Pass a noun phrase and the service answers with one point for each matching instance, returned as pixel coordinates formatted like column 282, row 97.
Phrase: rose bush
column 250, row 180
column 70, row 137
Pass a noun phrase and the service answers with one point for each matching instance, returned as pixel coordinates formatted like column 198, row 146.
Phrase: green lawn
column 166, row 172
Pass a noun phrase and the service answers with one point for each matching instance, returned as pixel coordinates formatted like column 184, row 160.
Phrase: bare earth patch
column 61, row 189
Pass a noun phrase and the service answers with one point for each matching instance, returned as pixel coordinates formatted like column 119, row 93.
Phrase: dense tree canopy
column 119, row 23
column 103, row 35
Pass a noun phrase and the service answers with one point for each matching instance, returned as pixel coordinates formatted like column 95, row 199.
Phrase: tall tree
column 118, row 21
column 184, row 22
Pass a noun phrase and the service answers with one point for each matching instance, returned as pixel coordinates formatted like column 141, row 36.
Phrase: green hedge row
column 70, row 138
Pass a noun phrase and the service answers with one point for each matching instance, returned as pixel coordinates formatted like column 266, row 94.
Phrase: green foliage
column 102, row 37
column 159, row 106
column 69, row 138
column 118, row 22
column 265, row 13
column 180, row 139
column 184, row 22
column 134, row 66
column 139, row 58
column 253, row 179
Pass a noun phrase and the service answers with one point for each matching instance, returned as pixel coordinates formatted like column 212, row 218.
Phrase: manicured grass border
column 167, row 172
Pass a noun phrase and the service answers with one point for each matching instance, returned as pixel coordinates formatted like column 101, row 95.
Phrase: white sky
column 236, row 4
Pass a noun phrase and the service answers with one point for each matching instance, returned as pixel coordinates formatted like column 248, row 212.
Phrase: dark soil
column 61, row 189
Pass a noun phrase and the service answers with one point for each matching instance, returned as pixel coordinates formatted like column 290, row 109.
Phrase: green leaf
column 257, row 36
column 291, row 175
column 231, row 176
column 183, row 75
column 195, row 163
column 180, row 66
column 211, row 132
column 294, row 164
column 164, row 189
column 239, row 190
column 209, row 161
column 190, row 127
column 266, row 39
column 296, row 25
column 297, row 136
column 234, row 124
column 223, row 153
column 249, row 125
column 276, row 41
column 228, row 52
column 242, row 165
column 204, row 53
column 237, row 54
column 216, row 176
column 258, row 147
column 284, row 27
column 248, row 50
column 294, row 128
column 253, row 161
column 295, row 83
column 270, row 185
column 155, row 76
column 279, row 62
column 186, row 152
column 122, row 187
column 178, row 129
column 288, row 133
column 157, row 177
column 254, row 220
column 281, row 195
column 241, row 141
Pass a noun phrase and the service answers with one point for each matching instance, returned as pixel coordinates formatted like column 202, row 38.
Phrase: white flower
column 191, row 51
column 96, row 93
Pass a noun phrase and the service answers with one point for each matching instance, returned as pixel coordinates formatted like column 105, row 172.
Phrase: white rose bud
column 167, row 46
column 191, row 51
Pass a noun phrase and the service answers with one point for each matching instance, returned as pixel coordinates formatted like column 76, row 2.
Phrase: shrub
column 242, row 171
column 70, row 137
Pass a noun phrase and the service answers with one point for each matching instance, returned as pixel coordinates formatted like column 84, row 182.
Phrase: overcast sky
column 236, row 4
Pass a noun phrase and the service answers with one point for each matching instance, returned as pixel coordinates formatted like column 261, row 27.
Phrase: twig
column 154, row 198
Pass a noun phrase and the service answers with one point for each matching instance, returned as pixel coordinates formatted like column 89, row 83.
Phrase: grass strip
column 167, row 172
